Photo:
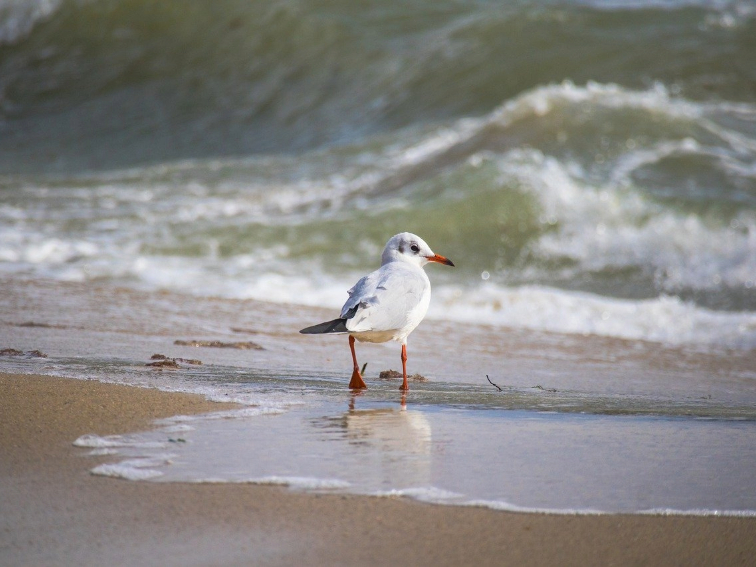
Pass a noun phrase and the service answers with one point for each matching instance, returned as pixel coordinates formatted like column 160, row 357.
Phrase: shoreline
column 122, row 326
column 56, row 513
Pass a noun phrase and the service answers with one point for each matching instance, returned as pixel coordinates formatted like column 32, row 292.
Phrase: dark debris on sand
column 242, row 345
column 28, row 353
column 391, row 374
column 41, row 325
column 161, row 361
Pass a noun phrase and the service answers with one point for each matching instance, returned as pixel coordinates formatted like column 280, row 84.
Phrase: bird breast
column 391, row 302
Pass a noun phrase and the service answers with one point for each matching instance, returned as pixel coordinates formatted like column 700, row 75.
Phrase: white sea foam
column 125, row 471
column 179, row 428
column 257, row 403
column 699, row 512
column 665, row 319
column 304, row 483
column 430, row 494
column 172, row 422
column 18, row 17
column 103, row 451
column 435, row 495
column 35, row 249
column 140, row 468
column 542, row 100
column 114, row 441
column 507, row 507
column 296, row 482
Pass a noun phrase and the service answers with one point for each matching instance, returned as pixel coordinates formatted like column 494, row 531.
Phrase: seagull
column 387, row 304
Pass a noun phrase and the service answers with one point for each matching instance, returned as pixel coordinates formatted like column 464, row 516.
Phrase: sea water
column 510, row 460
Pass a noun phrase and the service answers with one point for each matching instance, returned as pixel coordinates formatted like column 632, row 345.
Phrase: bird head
column 408, row 247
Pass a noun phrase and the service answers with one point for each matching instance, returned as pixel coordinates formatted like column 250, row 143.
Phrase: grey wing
column 383, row 300
column 361, row 292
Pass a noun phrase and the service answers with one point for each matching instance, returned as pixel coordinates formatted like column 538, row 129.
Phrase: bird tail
column 335, row 326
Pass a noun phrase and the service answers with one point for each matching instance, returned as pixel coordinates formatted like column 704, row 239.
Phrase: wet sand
column 55, row 513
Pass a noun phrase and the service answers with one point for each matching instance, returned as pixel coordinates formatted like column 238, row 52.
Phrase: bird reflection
column 392, row 445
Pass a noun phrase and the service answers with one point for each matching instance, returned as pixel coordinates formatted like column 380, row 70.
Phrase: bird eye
column 415, row 248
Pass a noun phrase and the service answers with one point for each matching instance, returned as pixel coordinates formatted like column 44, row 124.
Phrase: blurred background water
column 589, row 166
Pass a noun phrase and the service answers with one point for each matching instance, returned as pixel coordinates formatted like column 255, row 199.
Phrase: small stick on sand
column 492, row 384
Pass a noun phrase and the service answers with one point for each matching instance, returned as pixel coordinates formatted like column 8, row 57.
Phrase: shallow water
column 509, row 460
column 581, row 424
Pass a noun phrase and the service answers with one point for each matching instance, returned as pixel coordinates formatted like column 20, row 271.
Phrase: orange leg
column 356, row 383
column 405, row 386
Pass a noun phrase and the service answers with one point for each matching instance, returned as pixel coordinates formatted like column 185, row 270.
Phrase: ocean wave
column 114, row 83
column 602, row 227
column 586, row 209
column 18, row 17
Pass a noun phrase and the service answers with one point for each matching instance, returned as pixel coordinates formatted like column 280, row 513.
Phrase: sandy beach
column 54, row 512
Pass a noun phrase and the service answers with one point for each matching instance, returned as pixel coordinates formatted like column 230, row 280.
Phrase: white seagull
column 388, row 303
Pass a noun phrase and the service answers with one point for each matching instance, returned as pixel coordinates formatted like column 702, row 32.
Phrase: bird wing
column 384, row 299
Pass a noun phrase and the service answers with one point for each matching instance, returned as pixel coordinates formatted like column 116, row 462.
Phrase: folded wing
column 385, row 299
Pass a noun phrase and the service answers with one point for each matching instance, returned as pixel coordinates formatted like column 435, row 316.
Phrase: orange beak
column 440, row 260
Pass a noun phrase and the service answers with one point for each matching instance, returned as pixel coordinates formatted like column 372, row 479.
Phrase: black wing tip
column 335, row 326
